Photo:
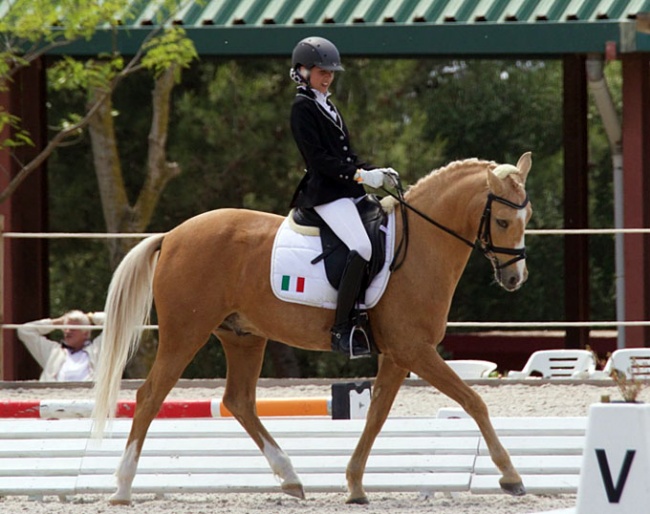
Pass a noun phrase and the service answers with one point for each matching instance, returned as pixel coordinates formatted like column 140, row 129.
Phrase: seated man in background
column 74, row 358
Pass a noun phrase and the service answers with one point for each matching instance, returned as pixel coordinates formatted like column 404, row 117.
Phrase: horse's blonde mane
column 466, row 165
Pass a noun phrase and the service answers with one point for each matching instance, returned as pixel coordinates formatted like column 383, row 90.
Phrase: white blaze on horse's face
column 514, row 280
column 524, row 216
column 508, row 222
column 508, row 232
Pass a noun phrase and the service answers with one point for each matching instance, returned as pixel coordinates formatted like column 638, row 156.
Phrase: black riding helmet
column 316, row 51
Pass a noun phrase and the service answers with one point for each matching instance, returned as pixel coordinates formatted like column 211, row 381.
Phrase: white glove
column 372, row 178
column 391, row 177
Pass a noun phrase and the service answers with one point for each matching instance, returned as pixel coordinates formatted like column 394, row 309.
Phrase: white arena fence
column 454, row 324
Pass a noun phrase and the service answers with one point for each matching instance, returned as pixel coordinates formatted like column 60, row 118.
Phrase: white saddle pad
column 295, row 279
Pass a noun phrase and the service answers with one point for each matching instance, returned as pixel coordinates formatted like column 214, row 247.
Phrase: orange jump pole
column 349, row 401
column 287, row 407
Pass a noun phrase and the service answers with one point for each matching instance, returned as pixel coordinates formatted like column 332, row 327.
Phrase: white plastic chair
column 558, row 364
column 469, row 369
column 633, row 362
column 472, row 369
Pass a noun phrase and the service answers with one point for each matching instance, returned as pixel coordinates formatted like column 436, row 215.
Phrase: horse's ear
column 524, row 164
column 495, row 182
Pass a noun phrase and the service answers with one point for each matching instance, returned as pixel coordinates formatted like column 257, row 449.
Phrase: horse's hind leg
column 171, row 359
column 387, row 384
column 245, row 355
column 431, row 367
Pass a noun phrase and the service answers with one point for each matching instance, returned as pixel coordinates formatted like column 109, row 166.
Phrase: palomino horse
column 211, row 275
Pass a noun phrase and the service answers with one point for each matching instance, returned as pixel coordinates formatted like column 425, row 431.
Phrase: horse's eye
column 502, row 223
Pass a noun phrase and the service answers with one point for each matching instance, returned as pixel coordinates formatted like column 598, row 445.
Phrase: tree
column 32, row 33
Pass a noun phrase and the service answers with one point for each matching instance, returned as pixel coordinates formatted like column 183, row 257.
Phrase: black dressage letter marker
column 614, row 493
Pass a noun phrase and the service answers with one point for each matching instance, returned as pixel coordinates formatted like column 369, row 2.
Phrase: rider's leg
column 345, row 338
column 343, row 218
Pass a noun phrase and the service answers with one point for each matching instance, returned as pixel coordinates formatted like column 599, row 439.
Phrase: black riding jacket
column 325, row 146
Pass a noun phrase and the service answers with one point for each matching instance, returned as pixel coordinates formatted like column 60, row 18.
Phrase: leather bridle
column 484, row 236
column 483, row 241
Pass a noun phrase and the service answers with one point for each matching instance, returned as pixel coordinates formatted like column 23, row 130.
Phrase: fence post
column 2, row 296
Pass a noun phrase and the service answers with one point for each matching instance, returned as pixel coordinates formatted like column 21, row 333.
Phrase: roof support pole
column 603, row 100
column 636, row 173
column 576, row 247
column 25, row 287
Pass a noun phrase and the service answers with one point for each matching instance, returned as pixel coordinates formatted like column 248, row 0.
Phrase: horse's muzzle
column 512, row 277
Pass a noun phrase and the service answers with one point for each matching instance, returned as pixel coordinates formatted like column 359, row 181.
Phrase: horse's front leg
column 387, row 384
column 245, row 355
column 432, row 368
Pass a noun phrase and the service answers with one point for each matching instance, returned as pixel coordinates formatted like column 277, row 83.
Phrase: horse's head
column 507, row 211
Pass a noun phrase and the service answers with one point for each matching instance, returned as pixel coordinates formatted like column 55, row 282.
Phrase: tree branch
column 159, row 171
column 63, row 135
column 131, row 67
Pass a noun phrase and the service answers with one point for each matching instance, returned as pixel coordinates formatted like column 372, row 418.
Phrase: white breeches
column 343, row 218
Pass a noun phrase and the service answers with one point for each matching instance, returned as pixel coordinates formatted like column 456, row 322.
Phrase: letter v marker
column 614, row 492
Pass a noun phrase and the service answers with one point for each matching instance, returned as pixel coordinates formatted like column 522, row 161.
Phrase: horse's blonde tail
column 128, row 305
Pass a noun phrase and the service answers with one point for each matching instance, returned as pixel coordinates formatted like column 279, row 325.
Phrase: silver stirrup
column 365, row 337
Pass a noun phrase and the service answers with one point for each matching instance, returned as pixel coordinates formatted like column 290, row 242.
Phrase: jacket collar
column 309, row 93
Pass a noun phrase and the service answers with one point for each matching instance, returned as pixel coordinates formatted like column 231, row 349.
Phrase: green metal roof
column 345, row 12
column 397, row 27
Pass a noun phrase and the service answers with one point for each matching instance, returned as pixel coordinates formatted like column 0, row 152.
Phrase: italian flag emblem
column 293, row 284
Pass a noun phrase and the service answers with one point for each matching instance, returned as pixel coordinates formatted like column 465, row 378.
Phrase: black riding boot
column 351, row 336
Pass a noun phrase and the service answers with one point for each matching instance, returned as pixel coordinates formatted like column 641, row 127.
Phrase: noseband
column 483, row 242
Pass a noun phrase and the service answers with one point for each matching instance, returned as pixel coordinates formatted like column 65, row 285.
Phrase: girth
column 335, row 252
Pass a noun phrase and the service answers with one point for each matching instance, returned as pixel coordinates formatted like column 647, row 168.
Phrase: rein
column 483, row 241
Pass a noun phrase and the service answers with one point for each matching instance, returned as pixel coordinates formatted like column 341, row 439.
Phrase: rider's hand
column 391, row 177
column 96, row 318
column 372, row 178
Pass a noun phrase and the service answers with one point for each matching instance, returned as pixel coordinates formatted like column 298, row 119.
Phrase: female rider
column 332, row 184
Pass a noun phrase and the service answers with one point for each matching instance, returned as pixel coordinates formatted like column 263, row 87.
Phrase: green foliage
column 495, row 109
column 79, row 268
column 56, row 21
column 20, row 136
column 8, row 63
column 31, row 27
column 79, row 274
column 237, row 115
column 170, row 49
column 89, row 75
column 389, row 110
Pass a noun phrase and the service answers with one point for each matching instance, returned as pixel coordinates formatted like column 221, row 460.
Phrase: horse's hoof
column 118, row 501
column 294, row 490
column 514, row 488
column 361, row 500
